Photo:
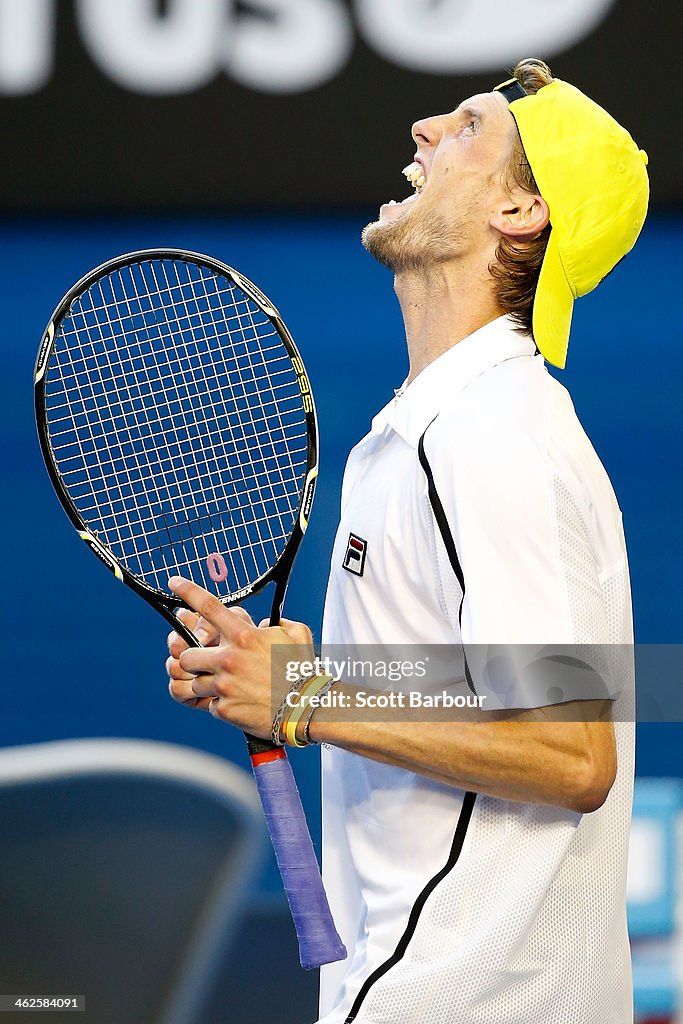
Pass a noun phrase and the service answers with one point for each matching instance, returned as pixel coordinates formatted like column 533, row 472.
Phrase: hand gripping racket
column 179, row 430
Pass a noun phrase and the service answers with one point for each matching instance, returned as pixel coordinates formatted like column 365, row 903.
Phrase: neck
column 441, row 305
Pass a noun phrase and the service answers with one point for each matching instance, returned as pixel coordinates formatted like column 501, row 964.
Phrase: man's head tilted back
column 593, row 177
column 533, row 182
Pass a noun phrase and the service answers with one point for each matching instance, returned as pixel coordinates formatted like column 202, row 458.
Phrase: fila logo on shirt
column 354, row 559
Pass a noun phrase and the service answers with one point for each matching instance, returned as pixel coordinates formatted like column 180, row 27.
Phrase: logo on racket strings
column 217, row 568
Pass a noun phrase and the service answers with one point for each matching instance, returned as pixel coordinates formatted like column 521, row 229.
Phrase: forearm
column 527, row 756
column 562, row 755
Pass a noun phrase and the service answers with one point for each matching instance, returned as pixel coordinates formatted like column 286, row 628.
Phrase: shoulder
column 498, row 428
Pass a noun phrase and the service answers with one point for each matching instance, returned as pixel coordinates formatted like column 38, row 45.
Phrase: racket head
column 177, row 425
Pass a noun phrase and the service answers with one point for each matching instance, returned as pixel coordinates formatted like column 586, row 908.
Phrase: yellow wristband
column 285, row 709
column 310, row 688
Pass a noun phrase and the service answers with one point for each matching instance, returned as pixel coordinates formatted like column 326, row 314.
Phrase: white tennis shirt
column 461, row 908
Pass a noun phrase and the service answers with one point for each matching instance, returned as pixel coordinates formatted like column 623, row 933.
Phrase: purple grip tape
column 319, row 941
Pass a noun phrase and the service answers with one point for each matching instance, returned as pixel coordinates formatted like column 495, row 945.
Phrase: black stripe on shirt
column 446, row 536
column 456, row 847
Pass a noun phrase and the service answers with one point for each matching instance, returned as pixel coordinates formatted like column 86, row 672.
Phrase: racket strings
column 165, row 518
column 166, row 545
column 188, row 396
column 273, row 466
column 177, row 424
column 199, row 517
column 248, row 368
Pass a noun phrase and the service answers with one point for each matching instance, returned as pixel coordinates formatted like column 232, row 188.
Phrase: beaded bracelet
column 309, row 689
column 276, row 732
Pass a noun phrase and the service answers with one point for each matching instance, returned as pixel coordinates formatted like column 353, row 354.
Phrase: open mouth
column 416, row 176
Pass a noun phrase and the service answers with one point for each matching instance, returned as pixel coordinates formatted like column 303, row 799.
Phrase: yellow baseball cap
column 593, row 178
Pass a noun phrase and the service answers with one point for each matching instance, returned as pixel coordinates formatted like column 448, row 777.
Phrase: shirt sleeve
column 516, row 555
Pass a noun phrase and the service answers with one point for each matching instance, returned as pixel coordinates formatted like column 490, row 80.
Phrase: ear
column 522, row 216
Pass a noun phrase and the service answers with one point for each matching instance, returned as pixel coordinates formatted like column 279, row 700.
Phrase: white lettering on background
column 27, row 45
column 283, row 46
column 465, row 36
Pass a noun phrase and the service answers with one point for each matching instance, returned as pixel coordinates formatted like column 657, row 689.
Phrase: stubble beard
column 412, row 243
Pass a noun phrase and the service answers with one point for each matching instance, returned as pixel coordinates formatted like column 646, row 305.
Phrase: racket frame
column 168, row 604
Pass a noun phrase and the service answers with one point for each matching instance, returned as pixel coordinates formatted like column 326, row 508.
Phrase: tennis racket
column 178, row 427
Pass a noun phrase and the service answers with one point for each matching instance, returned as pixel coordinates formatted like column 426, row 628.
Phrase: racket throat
column 279, row 598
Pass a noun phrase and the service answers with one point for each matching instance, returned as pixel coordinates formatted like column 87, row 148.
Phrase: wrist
column 291, row 718
column 315, row 702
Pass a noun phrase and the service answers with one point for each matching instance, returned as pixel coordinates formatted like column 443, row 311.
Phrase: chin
column 390, row 242
column 410, row 242
column 373, row 237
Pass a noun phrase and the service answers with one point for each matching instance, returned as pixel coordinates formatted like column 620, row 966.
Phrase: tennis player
column 476, row 868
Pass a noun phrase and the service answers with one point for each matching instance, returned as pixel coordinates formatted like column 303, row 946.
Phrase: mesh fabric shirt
column 469, row 909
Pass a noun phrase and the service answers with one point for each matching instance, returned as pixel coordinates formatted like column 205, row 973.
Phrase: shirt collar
column 413, row 409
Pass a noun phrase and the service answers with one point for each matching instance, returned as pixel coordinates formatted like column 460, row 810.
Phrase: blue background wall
column 84, row 657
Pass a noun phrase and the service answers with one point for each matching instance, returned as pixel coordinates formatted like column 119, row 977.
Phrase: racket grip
column 319, row 942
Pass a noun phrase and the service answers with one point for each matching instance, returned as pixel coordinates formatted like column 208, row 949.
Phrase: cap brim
column 553, row 307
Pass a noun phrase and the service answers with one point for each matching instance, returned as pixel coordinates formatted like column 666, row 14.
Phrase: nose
column 427, row 131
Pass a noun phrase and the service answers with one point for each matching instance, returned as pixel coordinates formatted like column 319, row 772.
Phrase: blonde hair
column 518, row 264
